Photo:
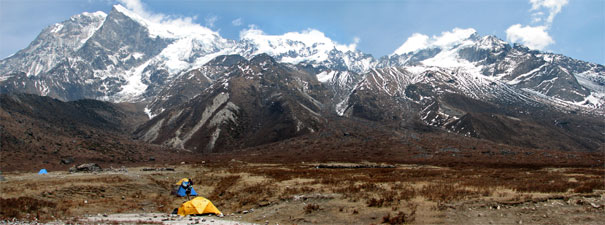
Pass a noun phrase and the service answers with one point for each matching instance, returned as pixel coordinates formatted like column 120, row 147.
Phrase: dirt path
column 159, row 218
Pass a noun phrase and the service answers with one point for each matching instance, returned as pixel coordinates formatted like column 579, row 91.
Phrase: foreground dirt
column 159, row 218
column 335, row 193
column 587, row 209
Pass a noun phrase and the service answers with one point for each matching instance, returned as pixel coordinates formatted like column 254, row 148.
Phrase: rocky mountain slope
column 53, row 45
column 261, row 101
column 473, row 106
column 205, row 93
column 47, row 133
column 255, row 102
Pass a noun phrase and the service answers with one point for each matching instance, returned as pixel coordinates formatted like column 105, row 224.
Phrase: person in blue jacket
column 186, row 188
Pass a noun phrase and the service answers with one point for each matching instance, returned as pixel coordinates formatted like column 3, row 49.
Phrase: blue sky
column 574, row 28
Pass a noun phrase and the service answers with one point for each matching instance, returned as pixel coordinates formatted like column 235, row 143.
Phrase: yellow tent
column 182, row 180
column 198, row 205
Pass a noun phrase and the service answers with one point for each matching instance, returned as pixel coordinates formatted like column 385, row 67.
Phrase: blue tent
column 43, row 171
column 182, row 191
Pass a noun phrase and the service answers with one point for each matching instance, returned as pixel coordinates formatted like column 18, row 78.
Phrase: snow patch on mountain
column 449, row 58
column 134, row 87
column 592, row 80
column 596, row 100
column 56, row 28
column 192, row 52
column 89, row 32
column 149, row 113
column 325, row 76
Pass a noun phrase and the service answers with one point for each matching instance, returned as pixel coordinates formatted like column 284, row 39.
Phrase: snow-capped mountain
column 472, row 105
column 558, row 76
column 125, row 57
column 307, row 47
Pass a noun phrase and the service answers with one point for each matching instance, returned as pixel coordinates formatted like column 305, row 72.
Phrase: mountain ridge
column 205, row 94
column 110, row 67
column 262, row 101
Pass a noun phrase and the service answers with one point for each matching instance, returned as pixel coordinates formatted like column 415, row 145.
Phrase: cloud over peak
column 163, row 25
column 447, row 39
column 533, row 37
column 537, row 37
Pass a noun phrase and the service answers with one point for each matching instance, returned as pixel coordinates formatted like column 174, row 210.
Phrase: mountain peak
column 53, row 44
column 311, row 45
column 263, row 58
column 160, row 25
column 119, row 11
column 123, row 10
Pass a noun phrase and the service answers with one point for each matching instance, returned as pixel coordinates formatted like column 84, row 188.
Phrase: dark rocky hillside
column 259, row 101
column 451, row 102
column 47, row 133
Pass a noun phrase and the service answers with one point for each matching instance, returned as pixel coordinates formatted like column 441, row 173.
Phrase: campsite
column 309, row 193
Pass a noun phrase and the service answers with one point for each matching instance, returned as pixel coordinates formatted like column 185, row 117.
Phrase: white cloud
column 532, row 37
column 415, row 42
column 137, row 7
column 353, row 45
column 537, row 37
column 210, row 21
column 553, row 6
column 537, row 17
column 446, row 40
column 164, row 25
column 237, row 22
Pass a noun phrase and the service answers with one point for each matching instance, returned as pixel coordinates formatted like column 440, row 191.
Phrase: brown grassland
column 302, row 193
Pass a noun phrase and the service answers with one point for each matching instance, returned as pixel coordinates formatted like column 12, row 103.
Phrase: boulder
column 87, row 167
column 67, row 161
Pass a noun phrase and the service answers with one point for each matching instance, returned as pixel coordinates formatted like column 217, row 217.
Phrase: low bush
column 399, row 218
column 309, row 208
column 26, row 208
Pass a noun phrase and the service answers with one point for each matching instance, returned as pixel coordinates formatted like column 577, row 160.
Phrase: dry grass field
column 336, row 193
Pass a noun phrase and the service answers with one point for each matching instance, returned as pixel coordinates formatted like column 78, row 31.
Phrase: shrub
column 589, row 186
column 445, row 192
column 309, row 208
column 23, row 206
column 399, row 218
column 223, row 186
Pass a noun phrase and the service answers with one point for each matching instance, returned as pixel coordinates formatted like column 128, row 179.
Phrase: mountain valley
column 166, row 88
